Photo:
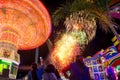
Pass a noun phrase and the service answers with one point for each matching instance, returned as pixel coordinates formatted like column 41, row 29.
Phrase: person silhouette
column 32, row 74
column 40, row 72
column 49, row 73
column 79, row 71
column 110, row 73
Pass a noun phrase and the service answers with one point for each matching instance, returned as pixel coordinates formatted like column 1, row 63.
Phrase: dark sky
column 52, row 5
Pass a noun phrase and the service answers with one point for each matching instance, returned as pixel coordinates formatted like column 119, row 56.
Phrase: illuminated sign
column 115, row 41
column 110, row 52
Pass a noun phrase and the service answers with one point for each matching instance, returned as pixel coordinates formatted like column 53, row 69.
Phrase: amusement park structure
column 24, row 24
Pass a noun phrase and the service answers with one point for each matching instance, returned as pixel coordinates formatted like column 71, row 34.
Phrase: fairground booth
column 101, row 60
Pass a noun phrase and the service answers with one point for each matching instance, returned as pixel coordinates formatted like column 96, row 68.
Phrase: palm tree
column 49, row 44
column 99, row 10
column 102, row 11
column 81, row 16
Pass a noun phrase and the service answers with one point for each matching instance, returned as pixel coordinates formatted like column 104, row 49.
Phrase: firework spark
column 82, row 21
column 64, row 52
column 81, row 37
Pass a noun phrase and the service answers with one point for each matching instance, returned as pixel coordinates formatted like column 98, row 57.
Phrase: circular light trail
column 24, row 23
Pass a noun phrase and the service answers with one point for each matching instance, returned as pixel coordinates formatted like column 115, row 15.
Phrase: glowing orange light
column 24, row 23
column 64, row 51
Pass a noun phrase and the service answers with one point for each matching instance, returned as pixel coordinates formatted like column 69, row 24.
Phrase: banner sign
column 110, row 52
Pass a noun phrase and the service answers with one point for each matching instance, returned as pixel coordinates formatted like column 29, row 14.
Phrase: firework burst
column 82, row 21
column 64, row 51
column 80, row 37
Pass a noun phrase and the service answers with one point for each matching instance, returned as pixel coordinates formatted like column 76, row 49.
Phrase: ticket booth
column 9, row 62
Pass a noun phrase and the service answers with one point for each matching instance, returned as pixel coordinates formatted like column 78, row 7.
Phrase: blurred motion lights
column 26, row 26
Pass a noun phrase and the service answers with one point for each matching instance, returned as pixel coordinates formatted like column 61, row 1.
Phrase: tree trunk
column 49, row 44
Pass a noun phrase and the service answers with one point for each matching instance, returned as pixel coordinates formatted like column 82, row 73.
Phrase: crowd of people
column 43, row 72
column 78, row 71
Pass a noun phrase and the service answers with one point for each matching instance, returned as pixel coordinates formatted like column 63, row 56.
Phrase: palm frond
column 101, row 5
column 98, row 8
column 78, row 5
column 101, row 11
column 104, row 19
column 61, row 13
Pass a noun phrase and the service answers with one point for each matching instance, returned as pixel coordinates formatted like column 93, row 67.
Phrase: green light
column 80, row 36
column 1, row 68
column 4, row 61
column 118, row 67
column 6, row 66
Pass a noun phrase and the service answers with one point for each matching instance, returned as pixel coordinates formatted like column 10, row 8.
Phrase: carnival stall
column 101, row 60
column 96, row 67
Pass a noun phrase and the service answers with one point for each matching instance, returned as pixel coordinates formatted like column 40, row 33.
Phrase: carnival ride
column 24, row 24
